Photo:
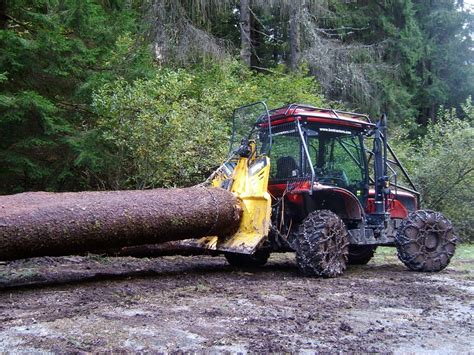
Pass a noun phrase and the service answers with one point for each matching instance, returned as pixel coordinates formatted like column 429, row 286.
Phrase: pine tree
column 446, row 63
column 54, row 55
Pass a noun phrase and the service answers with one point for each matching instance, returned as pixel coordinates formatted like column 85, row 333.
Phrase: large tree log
column 41, row 223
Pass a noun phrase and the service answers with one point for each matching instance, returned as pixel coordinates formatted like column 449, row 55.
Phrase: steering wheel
column 332, row 180
column 335, row 177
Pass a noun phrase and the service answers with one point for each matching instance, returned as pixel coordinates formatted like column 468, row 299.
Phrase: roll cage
column 301, row 121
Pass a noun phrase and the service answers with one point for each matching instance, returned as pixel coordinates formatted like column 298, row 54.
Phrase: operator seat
column 286, row 168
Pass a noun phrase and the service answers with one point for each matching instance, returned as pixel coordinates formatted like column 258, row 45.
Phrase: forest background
column 125, row 94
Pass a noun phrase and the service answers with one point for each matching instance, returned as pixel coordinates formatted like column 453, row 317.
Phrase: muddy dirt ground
column 200, row 303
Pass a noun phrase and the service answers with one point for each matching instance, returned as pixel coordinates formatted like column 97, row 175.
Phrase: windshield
column 339, row 159
column 337, row 156
column 244, row 126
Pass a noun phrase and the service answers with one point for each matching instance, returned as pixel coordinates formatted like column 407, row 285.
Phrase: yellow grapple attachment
column 249, row 182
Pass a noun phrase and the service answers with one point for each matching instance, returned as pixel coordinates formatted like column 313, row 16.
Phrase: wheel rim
column 431, row 241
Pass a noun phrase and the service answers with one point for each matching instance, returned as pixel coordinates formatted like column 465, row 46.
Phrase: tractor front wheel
column 259, row 258
column 425, row 241
column 321, row 245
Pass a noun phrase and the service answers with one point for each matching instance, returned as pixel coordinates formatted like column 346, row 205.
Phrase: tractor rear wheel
column 360, row 254
column 321, row 245
column 425, row 241
column 259, row 258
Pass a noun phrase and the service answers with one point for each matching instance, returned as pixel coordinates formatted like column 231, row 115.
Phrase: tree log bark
column 47, row 224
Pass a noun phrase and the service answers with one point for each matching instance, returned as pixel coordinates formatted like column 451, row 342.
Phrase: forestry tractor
column 320, row 182
column 327, row 185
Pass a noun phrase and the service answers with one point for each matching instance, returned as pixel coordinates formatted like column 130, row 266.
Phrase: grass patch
column 463, row 258
column 464, row 252
column 384, row 255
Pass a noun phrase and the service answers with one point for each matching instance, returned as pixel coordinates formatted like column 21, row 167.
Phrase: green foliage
column 174, row 128
column 30, row 148
column 54, row 55
column 445, row 68
column 442, row 164
column 427, row 53
column 392, row 27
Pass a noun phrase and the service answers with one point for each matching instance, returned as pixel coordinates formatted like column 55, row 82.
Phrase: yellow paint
column 250, row 185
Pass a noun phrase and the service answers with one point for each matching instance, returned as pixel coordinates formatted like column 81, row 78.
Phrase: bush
column 171, row 130
column 442, row 165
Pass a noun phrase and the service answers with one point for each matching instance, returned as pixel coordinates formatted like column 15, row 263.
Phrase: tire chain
column 411, row 241
column 321, row 244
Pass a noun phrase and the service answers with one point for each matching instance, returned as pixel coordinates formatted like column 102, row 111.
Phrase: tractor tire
column 425, row 241
column 360, row 254
column 321, row 245
column 259, row 258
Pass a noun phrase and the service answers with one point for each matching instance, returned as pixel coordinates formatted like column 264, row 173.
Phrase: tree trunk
column 294, row 36
column 158, row 31
column 3, row 15
column 46, row 224
column 245, row 33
